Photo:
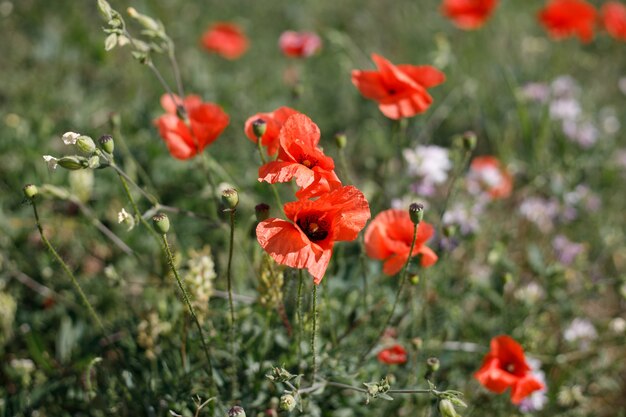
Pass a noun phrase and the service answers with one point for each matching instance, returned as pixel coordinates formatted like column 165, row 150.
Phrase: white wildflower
column 69, row 138
column 430, row 163
column 51, row 161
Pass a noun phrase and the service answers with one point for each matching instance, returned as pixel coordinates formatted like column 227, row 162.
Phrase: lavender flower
column 565, row 109
column 564, row 87
column 540, row 211
column 465, row 218
column 566, row 250
column 584, row 134
column 581, row 331
column 538, row 92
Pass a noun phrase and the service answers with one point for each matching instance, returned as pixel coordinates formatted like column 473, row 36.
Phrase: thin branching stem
column 230, row 302
column 398, row 293
column 314, row 333
column 68, row 272
column 181, row 286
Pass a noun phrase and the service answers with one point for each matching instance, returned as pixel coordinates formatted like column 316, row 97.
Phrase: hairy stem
column 170, row 260
column 230, row 302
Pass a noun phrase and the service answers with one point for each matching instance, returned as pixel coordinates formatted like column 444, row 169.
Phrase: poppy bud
column 85, row 144
column 341, row 140
column 469, row 141
column 433, row 364
column 30, row 191
column 414, row 279
column 287, row 402
column 230, row 198
column 262, row 212
column 236, row 411
column 73, row 163
column 259, row 126
column 416, row 212
column 161, row 223
column 106, row 143
column 446, row 409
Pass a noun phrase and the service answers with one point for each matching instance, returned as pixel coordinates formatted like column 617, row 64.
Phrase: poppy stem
column 181, row 286
column 231, row 304
column 299, row 316
column 209, row 176
column 175, row 69
column 453, row 179
column 314, row 333
column 69, row 273
column 398, row 293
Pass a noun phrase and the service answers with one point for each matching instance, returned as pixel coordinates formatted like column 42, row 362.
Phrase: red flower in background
column 614, row 19
column 300, row 158
column 468, row 14
column 394, row 355
column 206, row 121
column 564, row 18
column 274, row 122
column 486, row 174
column 299, row 44
column 400, row 90
column 225, row 39
column 388, row 237
column 317, row 225
column 505, row 367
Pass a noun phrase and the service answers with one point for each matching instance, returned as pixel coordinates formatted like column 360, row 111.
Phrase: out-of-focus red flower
column 468, row 14
column 564, row 18
column 299, row 44
column 487, row 174
column 400, row 90
column 388, row 237
column 299, row 157
column 317, row 225
column 225, row 39
column 614, row 19
column 394, row 355
column 206, row 121
column 274, row 122
column 505, row 367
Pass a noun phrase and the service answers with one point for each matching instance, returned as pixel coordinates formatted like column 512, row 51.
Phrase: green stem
column 299, row 315
column 314, row 333
column 170, row 260
column 69, row 273
column 207, row 170
column 135, row 208
column 231, row 304
column 260, row 149
column 398, row 293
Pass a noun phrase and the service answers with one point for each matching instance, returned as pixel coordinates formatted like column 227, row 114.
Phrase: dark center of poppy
column 510, row 368
column 313, row 228
column 307, row 161
column 391, row 91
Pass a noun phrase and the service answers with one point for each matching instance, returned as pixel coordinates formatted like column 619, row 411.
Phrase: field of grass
column 97, row 325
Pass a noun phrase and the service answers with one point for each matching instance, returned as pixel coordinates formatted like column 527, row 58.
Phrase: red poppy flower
column 400, row 90
column 394, row 355
column 468, row 14
column 299, row 44
column 307, row 241
column 614, row 19
column 274, row 122
column 300, row 158
column 225, row 39
column 505, row 367
column 488, row 175
column 206, row 121
column 563, row 18
column 388, row 238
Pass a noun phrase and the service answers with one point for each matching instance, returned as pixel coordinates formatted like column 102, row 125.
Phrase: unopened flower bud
column 30, row 191
column 106, row 143
column 416, row 212
column 259, row 126
column 414, row 279
column 262, row 212
column 73, row 163
column 432, row 364
column 287, row 402
column 446, row 409
column 161, row 223
column 341, row 140
column 469, row 141
column 230, row 198
column 85, row 144
column 236, row 411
